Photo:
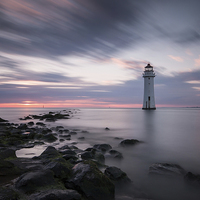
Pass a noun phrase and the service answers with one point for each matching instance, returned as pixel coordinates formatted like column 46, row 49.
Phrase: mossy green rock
column 88, row 180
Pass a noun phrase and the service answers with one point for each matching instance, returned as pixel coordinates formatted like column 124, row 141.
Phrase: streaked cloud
column 176, row 58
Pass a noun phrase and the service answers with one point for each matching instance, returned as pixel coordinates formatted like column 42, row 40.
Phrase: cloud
column 176, row 58
column 197, row 62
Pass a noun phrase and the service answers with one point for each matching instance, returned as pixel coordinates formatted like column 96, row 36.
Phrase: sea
column 167, row 135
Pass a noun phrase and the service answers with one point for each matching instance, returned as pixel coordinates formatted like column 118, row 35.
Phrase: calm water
column 168, row 135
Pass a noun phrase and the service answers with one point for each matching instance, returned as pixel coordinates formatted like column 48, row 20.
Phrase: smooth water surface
column 169, row 135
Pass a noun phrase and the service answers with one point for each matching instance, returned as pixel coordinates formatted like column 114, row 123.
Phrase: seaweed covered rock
column 88, row 180
column 49, row 138
column 56, row 194
column 7, row 153
column 32, row 181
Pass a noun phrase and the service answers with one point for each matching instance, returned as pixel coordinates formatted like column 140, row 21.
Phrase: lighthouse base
column 148, row 108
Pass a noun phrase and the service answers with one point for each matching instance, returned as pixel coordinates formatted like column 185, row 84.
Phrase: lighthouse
column 149, row 99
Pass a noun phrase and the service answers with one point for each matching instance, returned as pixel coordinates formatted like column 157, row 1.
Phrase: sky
column 92, row 53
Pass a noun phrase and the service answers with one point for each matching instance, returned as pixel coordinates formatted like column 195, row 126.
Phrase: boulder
column 32, row 181
column 129, row 142
column 60, row 167
column 50, row 152
column 49, row 138
column 115, row 154
column 88, row 180
column 56, row 194
column 117, row 176
column 102, row 147
column 166, row 169
column 30, row 123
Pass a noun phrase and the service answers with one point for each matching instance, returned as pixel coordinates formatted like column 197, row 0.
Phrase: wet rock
column 193, row 179
column 56, row 195
column 3, row 120
column 49, row 138
column 73, row 133
column 8, row 194
column 30, row 123
column 22, row 126
column 32, row 181
column 59, row 127
column 81, row 138
column 107, row 129
column 88, row 180
column 93, row 154
column 115, row 154
column 40, row 124
column 166, row 169
column 67, row 151
column 102, row 147
column 84, row 132
column 7, row 153
column 129, row 142
column 60, row 167
column 50, row 152
column 117, row 176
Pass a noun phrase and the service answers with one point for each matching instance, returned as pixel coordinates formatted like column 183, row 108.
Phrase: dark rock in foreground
column 102, row 147
column 88, row 180
column 33, row 181
column 166, row 169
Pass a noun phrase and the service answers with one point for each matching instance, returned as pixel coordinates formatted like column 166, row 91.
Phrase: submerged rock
column 102, row 147
column 91, row 182
column 129, row 142
column 193, row 179
column 166, row 169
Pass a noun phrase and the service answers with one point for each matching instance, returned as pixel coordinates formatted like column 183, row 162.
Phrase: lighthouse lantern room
column 148, row 100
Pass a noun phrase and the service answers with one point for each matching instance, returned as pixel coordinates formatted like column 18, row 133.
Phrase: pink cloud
column 176, row 58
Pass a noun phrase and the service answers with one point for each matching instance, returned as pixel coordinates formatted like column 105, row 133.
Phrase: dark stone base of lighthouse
column 148, row 108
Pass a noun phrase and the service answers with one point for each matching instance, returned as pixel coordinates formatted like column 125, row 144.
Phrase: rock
column 32, row 181
column 3, row 120
column 191, row 178
column 67, row 151
column 129, row 142
column 8, row 194
column 93, row 154
column 7, row 153
column 50, row 152
column 81, row 138
column 107, row 129
column 49, row 138
column 117, row 176
column 40, row 124
column 102, row 147
column 30, row 123
column 88, row 180
column 22, row 126
column 166, row 169
column 73, row 133
column 56, row 195
column 115, row 154
column 60, row 167
column 8, row 168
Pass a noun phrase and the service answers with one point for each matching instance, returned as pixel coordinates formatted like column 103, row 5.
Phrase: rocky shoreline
column 67, row 172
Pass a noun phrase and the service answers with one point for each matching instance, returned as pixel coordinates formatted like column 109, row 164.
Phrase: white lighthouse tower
column 149, row 100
